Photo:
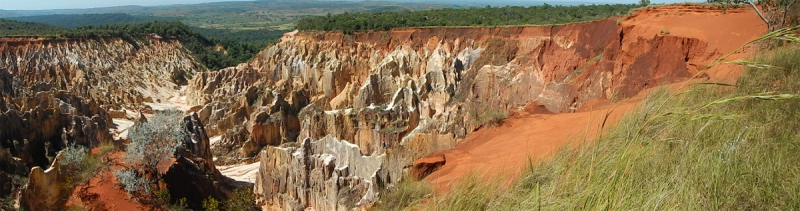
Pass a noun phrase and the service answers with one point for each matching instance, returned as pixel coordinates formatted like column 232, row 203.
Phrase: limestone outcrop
column 45, row 189
column 326, row 174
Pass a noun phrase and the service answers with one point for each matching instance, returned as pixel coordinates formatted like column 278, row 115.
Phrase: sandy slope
column 504, row 151
column 241, row 172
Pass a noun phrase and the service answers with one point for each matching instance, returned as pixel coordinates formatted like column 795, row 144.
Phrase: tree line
column 486, row 16
column 77, row 20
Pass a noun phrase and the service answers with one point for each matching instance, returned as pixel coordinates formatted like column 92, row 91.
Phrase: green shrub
column 77, row 166
column 488, row 115
column 151, row 142
column 243, row 199
column 132, row 181
column 180, row 205
column 155, row 140
column 73, row 157
column 211, row 204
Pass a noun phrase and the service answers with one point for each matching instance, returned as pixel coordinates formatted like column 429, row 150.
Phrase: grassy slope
column 708, row 148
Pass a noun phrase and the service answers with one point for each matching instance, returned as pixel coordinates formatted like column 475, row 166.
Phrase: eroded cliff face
column 400, row 95
column 111, row 71
column 57, row 92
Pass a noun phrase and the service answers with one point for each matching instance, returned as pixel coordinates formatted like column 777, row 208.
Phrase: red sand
column 504, row 151
column 103, row 193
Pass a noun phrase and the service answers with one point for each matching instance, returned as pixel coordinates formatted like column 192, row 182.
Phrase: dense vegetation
column 18, row 28
column 487, row 16
column 258, row 37
column 703, row 147
column 76, row 20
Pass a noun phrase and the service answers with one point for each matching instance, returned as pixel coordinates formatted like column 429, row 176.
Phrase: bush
column 180, row 205
column 211, row 204
column 243, row 199
column 77, row 166
column 151, row 142
column 132, row 181
column 155, row 140
column 73, row 157
column 487, row 115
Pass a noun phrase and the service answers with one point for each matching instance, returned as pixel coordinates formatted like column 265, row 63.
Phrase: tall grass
column 406, row 195
column 706, row 148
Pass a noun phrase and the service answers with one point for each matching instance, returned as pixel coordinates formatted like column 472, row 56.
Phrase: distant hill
column 246, row 21
column 75, row 20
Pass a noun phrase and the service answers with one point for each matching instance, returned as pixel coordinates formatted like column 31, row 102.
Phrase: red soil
column 504, row 151
column 103, row 192
column 530, row 136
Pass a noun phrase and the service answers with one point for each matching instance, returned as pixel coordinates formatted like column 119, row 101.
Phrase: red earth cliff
column 527, row 136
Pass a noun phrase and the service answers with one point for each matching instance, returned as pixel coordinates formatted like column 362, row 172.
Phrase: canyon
column 329, row 121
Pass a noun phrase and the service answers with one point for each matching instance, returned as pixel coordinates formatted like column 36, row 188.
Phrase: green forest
column 486, row 16
column 19, row 28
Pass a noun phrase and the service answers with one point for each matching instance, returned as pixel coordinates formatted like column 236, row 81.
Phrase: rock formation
column 332, row 118
column 193, row 176
column 45, row 189
column 405, row 93
column 55, row 92
column 328, row 173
